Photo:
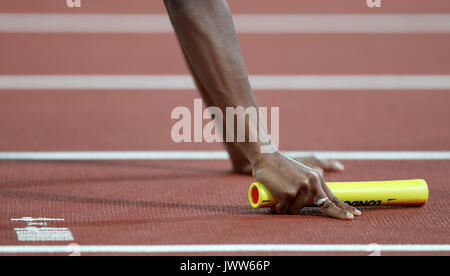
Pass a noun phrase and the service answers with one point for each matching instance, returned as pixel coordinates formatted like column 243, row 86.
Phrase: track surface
column 186, row 202
column 199, row 202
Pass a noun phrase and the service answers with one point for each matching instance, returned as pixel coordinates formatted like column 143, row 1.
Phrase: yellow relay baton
column 412, row 192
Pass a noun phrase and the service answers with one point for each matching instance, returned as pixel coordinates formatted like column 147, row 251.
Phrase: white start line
column 37, row 230
column 258, row 82
column 245, row 23
column 219, row 155
column 201, row 248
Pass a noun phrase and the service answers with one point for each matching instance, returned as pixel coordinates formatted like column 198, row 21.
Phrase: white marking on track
column 220, row 155
column 258, row 82
column 245, row 23
column 30, row 219
column 44, row 233
column 199, row 248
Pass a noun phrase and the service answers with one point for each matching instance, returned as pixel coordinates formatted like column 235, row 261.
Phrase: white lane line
column 110, row 82
column 229, row 248
column 258, row 82
column 245, row 23
column 219, row 155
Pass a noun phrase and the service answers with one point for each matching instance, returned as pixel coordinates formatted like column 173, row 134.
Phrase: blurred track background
column 371, row 86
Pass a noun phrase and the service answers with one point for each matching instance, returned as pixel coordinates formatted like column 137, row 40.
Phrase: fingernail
column 357, row 212
column 349, row 216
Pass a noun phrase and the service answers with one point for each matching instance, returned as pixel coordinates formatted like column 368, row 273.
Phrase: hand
column 296, row 186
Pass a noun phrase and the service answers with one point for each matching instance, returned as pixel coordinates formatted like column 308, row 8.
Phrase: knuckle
column 315, row 189
column 290, row 194
column 258, row 173
column 313, row 176
column 343, row 212
column 281, row 208
column 329, row 205
column 303, row 187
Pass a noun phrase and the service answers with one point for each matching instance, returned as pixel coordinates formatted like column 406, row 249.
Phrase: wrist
column 260, row 157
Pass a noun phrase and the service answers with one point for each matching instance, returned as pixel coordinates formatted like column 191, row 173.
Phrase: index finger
column 339, row 203
column 329, row 208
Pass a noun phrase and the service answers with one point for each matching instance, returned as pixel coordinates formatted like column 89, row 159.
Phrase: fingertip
column 349, row 215
column 333, row 210
column 280, row 208
column 338, row 166
column 348, row 208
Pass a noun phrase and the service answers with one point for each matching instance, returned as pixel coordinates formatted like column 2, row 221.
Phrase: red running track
column 200, row 202
column 140, row 120
column 264, row 54
column 185, row 202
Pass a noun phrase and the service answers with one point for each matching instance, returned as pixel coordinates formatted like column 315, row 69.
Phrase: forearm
column 208, row 38
column 206, row 33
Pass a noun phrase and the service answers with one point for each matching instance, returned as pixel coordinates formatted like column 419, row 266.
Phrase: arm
column 207, row 36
